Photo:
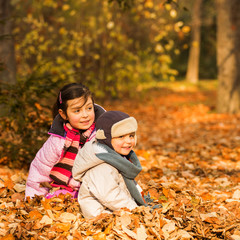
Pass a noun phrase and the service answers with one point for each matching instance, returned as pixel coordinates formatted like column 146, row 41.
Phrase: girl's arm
column 42, row 164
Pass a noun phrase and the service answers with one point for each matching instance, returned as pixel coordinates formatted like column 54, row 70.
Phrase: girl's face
column 79, row 116
column 124, row 144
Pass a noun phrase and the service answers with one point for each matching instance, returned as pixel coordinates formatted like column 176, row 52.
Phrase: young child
column 73, row 126
column 107, row 167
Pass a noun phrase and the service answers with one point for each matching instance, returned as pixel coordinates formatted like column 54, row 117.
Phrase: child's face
column 124, row 144
column 79, row 116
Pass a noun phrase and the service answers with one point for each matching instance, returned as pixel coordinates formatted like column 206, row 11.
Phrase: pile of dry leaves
column 191, row 165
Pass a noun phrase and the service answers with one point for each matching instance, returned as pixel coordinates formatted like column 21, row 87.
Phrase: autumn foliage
column 191, row 162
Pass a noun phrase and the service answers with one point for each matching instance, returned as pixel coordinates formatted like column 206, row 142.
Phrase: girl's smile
column 80, row 114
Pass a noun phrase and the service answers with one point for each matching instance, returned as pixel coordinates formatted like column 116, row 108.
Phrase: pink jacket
column 40, row 168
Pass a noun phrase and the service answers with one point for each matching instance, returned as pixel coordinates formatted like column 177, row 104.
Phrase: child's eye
column 132, row 135
column 90, row 108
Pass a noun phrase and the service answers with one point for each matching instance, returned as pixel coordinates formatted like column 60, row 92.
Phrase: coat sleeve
column 42, row 164
column 109, row 188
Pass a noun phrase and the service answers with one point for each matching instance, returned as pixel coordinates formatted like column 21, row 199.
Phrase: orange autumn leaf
column 207, row 196
column 108, row 228
column 3, row 160
column 9, row 183
column 77, row 235
column 145, row 154
column 2, row 190
column 162, row 222
column 35, row 214
column 165, row 192
column 89, row 232
column 62, row 227
column 153, row 193
column 135, row 221
column 46, row 203
column 8, row 237
column 38, row 106
column 100, row 236
column 214, row 220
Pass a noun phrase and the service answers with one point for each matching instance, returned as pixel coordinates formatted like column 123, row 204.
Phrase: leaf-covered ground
column 191, row 165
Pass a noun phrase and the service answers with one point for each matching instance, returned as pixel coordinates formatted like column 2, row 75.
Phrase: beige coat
column 103, row 188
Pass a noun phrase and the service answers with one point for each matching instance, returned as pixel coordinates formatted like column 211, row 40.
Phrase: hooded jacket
column 49, row 155
column 103, row 188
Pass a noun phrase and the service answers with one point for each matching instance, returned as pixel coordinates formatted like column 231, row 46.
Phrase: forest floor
column 191, row 166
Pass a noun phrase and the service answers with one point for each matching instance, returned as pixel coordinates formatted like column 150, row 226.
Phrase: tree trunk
column 228, row 56
column 194, row 52
column 7, row 54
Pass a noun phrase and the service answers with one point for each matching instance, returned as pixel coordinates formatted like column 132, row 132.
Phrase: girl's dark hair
column 68, row 92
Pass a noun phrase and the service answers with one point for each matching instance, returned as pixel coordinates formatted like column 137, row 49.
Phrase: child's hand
column 150, row 202
column 74, row 184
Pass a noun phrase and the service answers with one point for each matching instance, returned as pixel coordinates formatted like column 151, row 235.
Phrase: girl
column 107, row 167
column 74, row 125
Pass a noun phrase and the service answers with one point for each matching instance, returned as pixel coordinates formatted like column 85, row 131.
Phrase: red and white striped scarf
column 61, row 173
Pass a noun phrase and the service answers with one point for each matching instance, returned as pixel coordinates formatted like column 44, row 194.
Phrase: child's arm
column 42, row 164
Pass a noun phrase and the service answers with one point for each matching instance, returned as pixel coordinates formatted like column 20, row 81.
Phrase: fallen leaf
column 8, row 237
column 35, row 214
column 141, row 233
column 129, row 232
column 236, row 194
column 67, row 217
column 46, row 220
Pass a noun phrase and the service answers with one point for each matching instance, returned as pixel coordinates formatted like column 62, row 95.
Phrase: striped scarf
column 61, row 173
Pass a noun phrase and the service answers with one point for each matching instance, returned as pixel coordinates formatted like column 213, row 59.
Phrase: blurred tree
column 7, row 53
column 7, row 56
column 111, row 50
column 207, row 62
column 192, row 75
column 228, row 55
column 208, row 58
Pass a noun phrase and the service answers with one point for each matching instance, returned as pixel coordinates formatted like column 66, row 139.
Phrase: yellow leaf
column 72, row 13
column 149, row 4
column 168, row 7
column 186, row 29
column 110, row 25
column 173, row 13
column 65, row 7
column 159, row 48
column 62, row 31
column 80, row 52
